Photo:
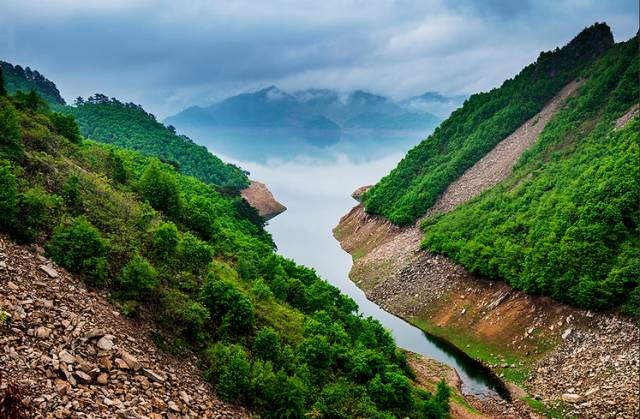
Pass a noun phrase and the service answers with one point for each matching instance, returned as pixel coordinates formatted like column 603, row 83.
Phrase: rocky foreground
column 68, row 353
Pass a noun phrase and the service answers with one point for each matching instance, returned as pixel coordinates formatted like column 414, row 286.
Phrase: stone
column 12, row 286
column 571, row 397
column 121, row 364
column 66, row 357
column 105, row 362
column 62, row 387
column 102, row 379
column 131, row 360
column 153, row 376
column 566, row 333
column 82, row 376
column 105, row 344
column 49, row 271
column 3, row 265
column 173, row 406
column 184, row 397
column 43, row 332
column 95, row 333
column 591, row 391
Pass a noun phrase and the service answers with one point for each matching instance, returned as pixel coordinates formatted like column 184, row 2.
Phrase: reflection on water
column 317, row 194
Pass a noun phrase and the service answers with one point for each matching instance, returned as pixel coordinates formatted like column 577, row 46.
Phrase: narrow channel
column 317, row 194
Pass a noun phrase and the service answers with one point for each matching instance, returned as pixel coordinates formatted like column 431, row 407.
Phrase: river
column 317, row 193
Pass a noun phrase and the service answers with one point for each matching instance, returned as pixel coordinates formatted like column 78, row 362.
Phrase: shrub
column 78, row 246
column 228, row 306
column 260, row 289
column 193, row 254
column 66, row 126
column 186, row 316
column 137, row 279
column 165, row 240
column 71, row 194
column 267, row 345
column 229, row 370
column 8, row 197
column 199, row 215
column 10, row 133
column 160, row 188
column 37, row 212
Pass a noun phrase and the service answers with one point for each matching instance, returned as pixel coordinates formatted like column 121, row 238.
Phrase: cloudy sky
column 167, row 55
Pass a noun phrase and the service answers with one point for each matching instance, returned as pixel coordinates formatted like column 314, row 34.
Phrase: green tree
column 71, row 194
column 37, row 211
column 78, row 246
column 160, row 188
column 66, row 126
column 267, row 345
column 137, row 279
column 10, row 132
column 165, row 240
column 8, row 197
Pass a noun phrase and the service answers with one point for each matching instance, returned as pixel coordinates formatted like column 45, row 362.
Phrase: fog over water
column 317, row 192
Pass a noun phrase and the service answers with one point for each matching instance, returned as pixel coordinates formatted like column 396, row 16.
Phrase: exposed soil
column 584, row 364
column 73, row 355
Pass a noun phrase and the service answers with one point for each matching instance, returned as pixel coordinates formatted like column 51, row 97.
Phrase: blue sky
column 167, row 55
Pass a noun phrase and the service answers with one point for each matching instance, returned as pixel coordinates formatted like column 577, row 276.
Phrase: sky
column 168, row 55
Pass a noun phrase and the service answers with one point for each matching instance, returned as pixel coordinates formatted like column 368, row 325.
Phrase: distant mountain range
column 273, row 122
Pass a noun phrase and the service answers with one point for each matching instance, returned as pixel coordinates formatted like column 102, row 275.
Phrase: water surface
column 317, row 193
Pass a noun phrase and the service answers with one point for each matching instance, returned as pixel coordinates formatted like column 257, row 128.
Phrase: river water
column 317, row 193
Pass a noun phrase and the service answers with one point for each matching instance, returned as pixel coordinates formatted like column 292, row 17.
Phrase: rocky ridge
column 71, row 354
column 261, row 198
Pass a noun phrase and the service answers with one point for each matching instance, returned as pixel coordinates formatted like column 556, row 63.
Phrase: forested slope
column 18, row 79
column 171, row 249
column 473, row 130
column 128, row 125
column 565, row 223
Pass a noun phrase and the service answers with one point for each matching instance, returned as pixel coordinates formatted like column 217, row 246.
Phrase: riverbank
column 558, row 358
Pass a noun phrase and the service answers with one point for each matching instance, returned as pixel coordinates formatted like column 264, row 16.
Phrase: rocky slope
column 261, row 198
column 71, row 354
column 526, row 339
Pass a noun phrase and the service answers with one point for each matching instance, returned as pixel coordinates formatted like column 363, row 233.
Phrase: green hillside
column 566, row 222
column 474, row 129
column 128, row 125
column 24, row 80
column 171, row 249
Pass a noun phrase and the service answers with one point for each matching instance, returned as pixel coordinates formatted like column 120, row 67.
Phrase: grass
column 481, row 351
column 547, row 411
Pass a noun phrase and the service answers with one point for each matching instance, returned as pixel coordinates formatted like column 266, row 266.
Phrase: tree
column 137, row 279
column 10, row 132
column 71, row 194
column 165, row 240
column 161, row 189
column 3, row 91
column 78, row 246
column 8, row 197
column 267, row 345
column 66, row 126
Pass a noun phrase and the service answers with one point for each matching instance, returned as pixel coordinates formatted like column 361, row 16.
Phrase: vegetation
column 25, row 80
column 475, row 128
column 128, row 125
column 173, row 249
column 566, row 223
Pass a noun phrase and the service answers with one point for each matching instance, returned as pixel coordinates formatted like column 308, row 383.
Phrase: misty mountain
column 272, row 122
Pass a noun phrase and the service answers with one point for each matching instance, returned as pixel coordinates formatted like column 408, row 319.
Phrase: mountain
column 274, row 122
column 129, row 125
column 528, row 258
column 435, row 103
column 194, row 268
column 25, row 79
column 565, row 222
